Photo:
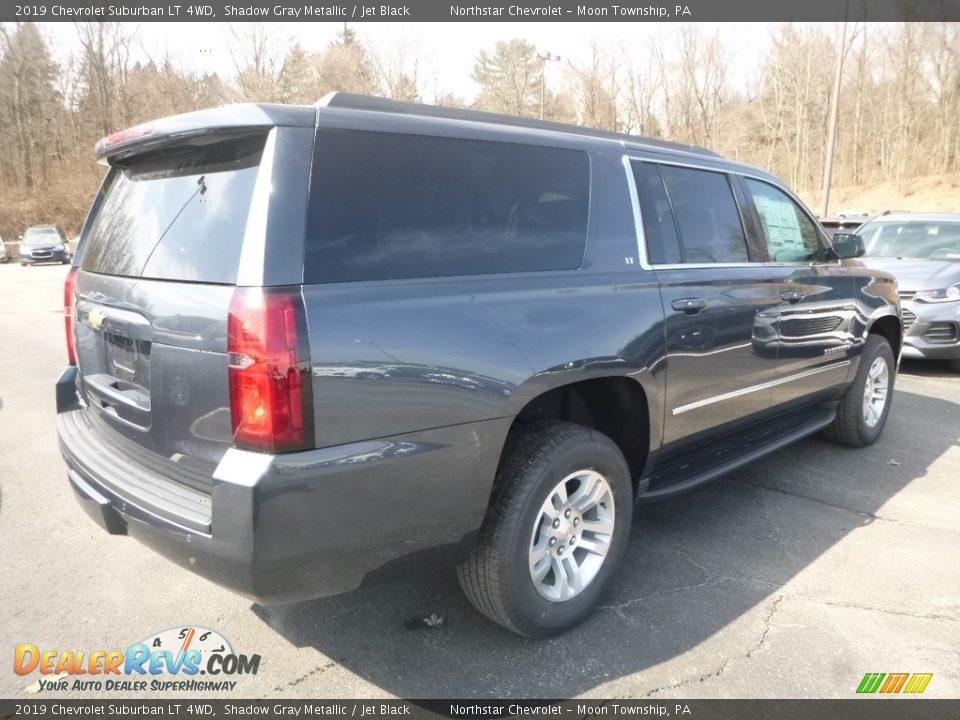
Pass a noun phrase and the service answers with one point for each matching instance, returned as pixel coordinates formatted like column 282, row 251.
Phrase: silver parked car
column 922, row 251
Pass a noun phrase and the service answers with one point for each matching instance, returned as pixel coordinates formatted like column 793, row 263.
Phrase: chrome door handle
column 691, row 306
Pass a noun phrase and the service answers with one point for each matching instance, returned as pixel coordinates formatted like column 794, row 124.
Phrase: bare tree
column 28, row 102
column 596, row 89
column 396, row 69
column 899, row 101
column 509, row 78
column 641, row 93
column 696, row 86
column 256, row 60
column 104, row 68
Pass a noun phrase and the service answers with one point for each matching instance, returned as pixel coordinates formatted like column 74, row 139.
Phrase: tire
column 853, row 425
column 497, row 574
column 955, row 365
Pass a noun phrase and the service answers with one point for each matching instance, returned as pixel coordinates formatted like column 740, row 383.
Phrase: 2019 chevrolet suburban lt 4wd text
column 311, row 345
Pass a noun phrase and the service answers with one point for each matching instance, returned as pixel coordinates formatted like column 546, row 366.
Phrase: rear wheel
column 557, row 526
column 864, row 408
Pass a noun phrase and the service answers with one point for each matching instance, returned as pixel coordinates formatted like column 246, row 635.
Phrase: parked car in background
column 922, row 251
column 313, row 346
column 43, row 244
column 841, row 223
column 3, row 252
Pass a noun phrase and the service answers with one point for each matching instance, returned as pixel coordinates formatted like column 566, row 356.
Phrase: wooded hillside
column 899, row 109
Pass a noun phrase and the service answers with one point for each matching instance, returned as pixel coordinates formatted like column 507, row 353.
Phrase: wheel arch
column 890, row 327
column 615, row 405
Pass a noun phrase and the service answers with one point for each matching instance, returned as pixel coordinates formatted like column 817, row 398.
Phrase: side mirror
column 848, row 245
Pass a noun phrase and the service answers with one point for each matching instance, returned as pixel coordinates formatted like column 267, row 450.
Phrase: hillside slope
column 926, row 193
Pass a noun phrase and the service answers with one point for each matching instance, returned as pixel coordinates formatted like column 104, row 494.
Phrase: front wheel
column 864, row 408
column 557, row 526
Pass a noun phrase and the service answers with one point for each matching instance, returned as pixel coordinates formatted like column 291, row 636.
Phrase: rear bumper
column 284, row 528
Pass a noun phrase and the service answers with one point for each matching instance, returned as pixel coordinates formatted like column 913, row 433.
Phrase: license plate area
column 127, row 360
column 115, row 348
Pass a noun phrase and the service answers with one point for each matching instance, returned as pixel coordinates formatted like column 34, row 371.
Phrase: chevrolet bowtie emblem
column 96, row 318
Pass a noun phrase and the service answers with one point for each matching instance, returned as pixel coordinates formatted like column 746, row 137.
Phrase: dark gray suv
column 310, row 346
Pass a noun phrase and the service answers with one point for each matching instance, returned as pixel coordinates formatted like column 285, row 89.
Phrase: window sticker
column 781, row 225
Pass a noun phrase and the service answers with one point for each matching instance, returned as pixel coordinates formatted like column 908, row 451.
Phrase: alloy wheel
column 875, row 392
column 571, row 535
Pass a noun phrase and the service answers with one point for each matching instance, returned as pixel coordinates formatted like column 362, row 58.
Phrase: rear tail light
column 270, row 388
column 69, row 299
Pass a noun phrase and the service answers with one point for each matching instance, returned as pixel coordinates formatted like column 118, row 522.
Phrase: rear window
column 177, row 214
column 386, row 206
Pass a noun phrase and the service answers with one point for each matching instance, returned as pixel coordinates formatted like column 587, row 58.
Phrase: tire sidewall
column 602, row 456
column 881, row 348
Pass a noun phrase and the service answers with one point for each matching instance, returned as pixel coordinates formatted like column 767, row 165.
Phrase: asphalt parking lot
column 792, row 578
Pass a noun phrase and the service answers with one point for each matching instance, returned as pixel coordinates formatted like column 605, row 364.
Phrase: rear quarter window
column 388, row 206
column 176, row 214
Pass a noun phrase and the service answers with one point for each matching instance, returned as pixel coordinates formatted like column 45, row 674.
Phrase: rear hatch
column 159, row 264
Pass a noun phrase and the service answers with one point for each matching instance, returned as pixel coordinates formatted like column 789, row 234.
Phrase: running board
column 722, row 457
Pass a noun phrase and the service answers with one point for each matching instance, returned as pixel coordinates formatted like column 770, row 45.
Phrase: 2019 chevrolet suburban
column 307, row 344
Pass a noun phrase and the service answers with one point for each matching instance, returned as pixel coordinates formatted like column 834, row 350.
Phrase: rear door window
column 387, row 206
column 177, row 214
column 708, row 219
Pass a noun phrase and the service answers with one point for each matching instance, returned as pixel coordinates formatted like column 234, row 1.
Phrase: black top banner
column 184, row 707
column 481, row 11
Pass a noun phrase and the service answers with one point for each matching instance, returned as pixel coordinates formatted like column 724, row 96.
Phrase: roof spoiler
column 176, row 128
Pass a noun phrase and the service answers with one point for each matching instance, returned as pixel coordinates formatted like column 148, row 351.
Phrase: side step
column 712, row 461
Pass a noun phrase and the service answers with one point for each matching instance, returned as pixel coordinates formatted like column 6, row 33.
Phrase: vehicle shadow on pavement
column 695, row 564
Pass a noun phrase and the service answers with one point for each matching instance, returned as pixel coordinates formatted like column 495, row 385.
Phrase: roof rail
column 352, row 101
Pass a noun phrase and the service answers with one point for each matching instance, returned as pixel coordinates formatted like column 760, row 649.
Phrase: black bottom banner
column 854, row 709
